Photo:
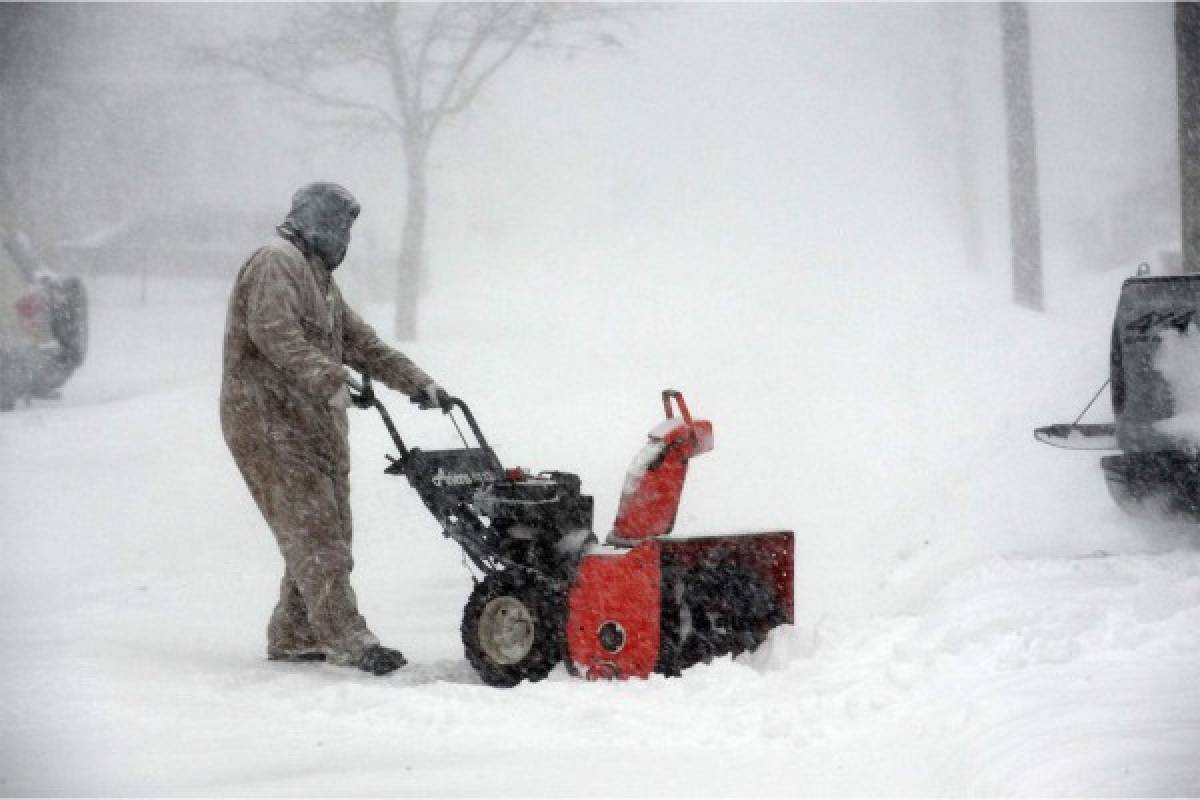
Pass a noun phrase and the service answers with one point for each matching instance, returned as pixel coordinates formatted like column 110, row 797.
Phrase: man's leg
column 288, row 631
column 308, row 521
column 300, row 504
column 290, row 637
column 380, row 660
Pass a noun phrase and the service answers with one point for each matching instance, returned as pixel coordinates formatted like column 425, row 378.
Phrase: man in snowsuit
column 283, row 414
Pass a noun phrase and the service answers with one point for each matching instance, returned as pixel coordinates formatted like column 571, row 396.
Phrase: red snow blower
column 548, row 591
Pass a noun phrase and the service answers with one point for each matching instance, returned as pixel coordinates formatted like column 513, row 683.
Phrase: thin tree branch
column 300, row 87
column 433, row 33
column 437, row 58
column 472, row 89
column 398, row 71
column 433, row 118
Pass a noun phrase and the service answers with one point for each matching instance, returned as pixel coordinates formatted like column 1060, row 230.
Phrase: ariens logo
column 442, row 478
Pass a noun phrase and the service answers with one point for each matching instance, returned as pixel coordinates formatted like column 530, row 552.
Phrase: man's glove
column 340, row 399
column 433, row 396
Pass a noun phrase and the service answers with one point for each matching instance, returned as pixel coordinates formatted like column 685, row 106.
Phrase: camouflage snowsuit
column 287, row 334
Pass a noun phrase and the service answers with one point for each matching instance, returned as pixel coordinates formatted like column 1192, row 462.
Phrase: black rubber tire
column 8, row 400
column 69, row 320
column 535, row 605
column 1156, row 486
column 9, row 389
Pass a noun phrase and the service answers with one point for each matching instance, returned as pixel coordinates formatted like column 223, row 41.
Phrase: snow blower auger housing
column 1155, row 472
column 548, row 591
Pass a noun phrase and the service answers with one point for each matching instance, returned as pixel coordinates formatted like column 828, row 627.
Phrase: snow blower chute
column 1156, row 471
column 548, row 591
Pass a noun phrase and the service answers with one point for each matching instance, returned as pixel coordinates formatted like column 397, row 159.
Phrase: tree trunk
column 1187, row 54
column 412, row 248
column 1024, row 214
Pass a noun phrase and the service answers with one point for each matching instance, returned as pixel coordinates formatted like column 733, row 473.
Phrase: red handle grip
column 667, row 395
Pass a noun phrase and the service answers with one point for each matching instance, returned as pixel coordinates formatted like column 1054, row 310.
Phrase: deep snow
column 974, row 615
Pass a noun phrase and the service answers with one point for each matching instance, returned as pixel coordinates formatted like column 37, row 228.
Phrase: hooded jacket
column 288, row 333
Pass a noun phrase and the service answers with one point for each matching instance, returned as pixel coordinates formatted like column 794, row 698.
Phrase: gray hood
column 321, row 217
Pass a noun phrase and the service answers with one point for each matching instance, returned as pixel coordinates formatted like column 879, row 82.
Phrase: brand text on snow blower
column 443, row 478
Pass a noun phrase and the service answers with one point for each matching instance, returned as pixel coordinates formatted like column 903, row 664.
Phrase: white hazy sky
column 744, row 130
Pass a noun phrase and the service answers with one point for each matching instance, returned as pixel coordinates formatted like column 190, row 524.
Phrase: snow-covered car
column 1154, row 374
column 43, row 325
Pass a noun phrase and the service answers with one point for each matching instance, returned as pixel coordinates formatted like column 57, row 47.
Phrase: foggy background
column 720, row 143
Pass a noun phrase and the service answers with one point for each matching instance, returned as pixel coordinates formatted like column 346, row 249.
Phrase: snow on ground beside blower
column 973, row 615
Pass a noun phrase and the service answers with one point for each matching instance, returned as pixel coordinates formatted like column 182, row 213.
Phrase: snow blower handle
column 698, row 432
column 366, row 395
column 363, row 396
column 470, row 418
column 667, row 396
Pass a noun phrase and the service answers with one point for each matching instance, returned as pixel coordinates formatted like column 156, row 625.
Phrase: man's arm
column 366, row 352
column 273, row 323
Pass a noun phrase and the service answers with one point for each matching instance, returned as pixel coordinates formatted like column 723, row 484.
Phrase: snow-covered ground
column 974, row 615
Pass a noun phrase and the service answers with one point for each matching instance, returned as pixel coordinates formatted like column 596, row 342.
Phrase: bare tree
column 1024, row 213
column 1187, row 50
column 433, row 59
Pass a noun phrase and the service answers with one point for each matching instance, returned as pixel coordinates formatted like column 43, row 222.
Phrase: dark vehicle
column 1157, row 471
column 43, row 325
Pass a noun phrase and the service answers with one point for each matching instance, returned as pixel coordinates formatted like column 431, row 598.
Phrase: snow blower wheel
column 512, row 629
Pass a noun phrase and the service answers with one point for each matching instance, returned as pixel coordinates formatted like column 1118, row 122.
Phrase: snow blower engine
column 546, row 589
column 1156, row 472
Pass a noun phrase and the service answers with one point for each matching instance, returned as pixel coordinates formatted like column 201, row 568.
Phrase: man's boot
column 380, row 660
column 295, row 655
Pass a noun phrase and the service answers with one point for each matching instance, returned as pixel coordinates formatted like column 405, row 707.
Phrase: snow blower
column 1156, row 472
column 546, row 590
